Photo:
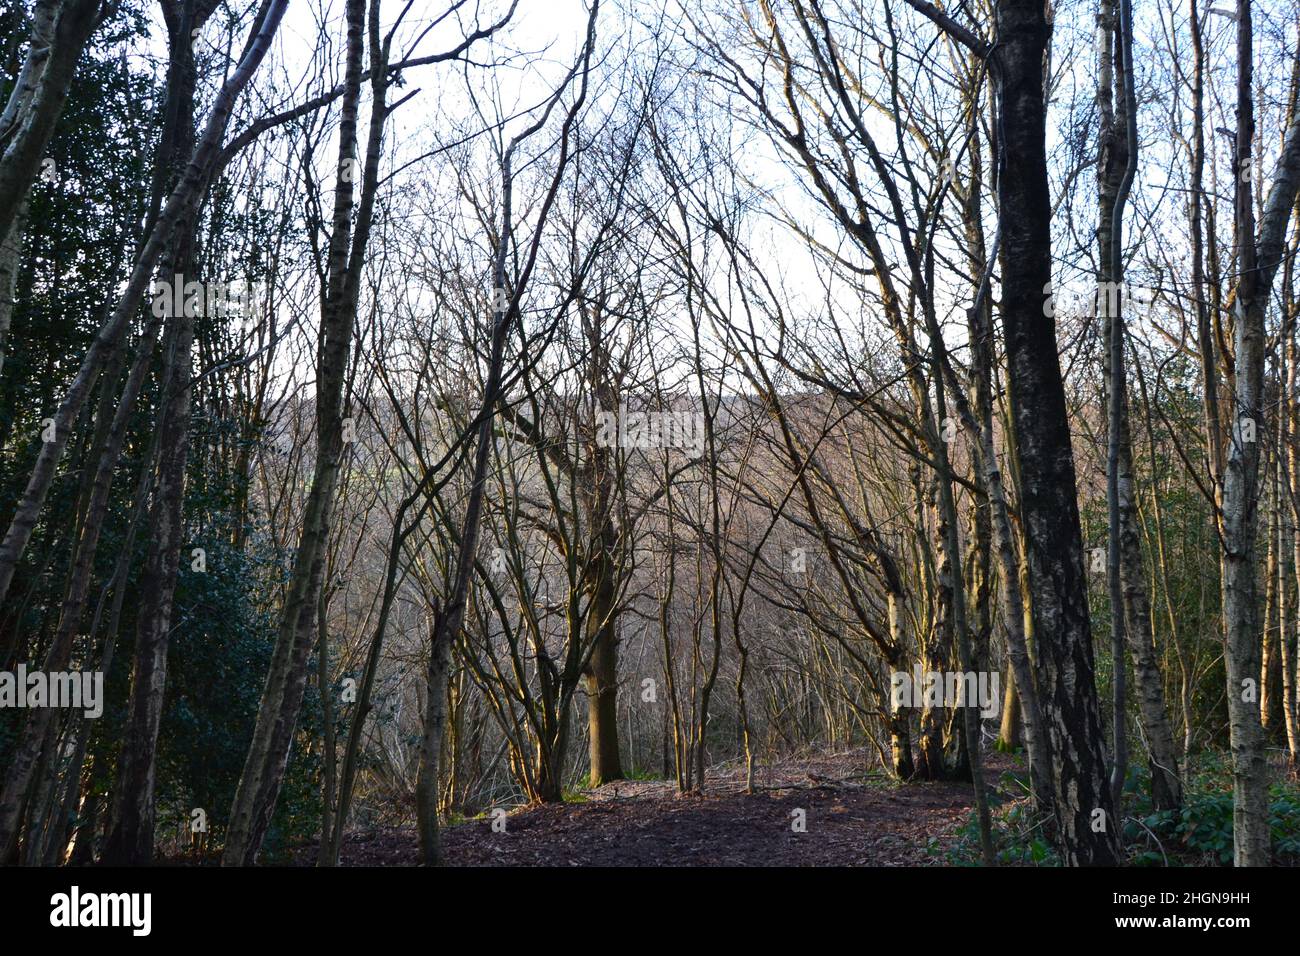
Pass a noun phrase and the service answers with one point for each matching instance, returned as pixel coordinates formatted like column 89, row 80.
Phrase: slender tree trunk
column 1291, row 490
column 937, row 650
column 900, row 739
column 268, row 754
column 1258, row 259
column 130, row 839
column 329, row 772
column 10, row 265
column 969, row 708
column 1131, row 609
column 1086, row 828
column 1114, row 175
column 1014, row 616
column 1009, row 729
column 602, row 668
column 131, row 833
column 426, row 786
column 1270, row 675
column 39, row 98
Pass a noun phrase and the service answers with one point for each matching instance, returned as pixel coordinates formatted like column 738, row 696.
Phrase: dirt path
column 852, row 818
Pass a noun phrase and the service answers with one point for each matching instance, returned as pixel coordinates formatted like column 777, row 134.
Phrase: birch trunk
column 1131, row 609
column 1258, row 258
column 1049, row 500
column 1291, row 490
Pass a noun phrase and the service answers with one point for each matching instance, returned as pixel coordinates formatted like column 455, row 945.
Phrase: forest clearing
column 855, row 820
column 845, row 818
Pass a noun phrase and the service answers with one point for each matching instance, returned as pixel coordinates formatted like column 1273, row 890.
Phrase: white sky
column 557, row 27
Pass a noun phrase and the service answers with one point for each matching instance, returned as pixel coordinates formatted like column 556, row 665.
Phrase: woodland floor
column 854, row 817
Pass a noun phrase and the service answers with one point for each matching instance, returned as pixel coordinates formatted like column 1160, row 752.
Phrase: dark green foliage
column 84, row 225
column 1200, row 834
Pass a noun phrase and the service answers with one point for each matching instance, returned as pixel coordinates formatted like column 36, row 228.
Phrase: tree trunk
column 1270, row 673
column 10, row 265
column 1131, row 609
column 131, row 833
column 900, row 739
column 329, row 772
column 1258, row 259
column 131, row 830
column 426, row 786
column 602, row 668
column 268, row 754
column 1049, row 501
column 1009, row 729
column 602, row 708
column 1291, row 511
